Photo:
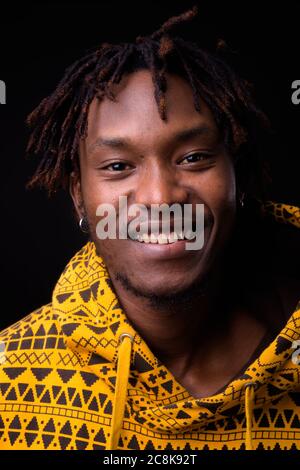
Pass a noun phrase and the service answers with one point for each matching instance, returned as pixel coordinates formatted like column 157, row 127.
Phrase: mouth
column 164, row 238
column 166, row 246
column 161, row 249
column 156, row 233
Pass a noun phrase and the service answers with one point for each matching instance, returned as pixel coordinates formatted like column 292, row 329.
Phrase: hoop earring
column 83, row 224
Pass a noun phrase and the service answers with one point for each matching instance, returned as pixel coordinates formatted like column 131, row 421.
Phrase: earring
column 83, row 224
column 242, row 199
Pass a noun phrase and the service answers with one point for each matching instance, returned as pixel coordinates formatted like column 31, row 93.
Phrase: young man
column 146, row 344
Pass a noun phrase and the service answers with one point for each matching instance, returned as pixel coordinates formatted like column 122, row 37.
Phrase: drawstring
column 123, row 368
column 249, row 401
column 124, row 355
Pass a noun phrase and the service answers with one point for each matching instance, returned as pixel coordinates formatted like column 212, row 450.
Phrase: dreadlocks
column 60, row 120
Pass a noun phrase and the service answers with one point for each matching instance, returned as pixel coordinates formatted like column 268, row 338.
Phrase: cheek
column 216, row 188
column 95, row 192
column 219, row 188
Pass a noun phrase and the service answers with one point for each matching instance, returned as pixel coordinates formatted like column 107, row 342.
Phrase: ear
column 76, row 193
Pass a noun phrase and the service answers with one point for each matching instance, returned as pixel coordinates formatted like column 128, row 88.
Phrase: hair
column 60, row 120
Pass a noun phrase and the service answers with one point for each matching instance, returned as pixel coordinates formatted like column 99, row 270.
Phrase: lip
column 163, row 251
column 145, row 227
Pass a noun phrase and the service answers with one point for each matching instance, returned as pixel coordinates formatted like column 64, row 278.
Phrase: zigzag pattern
column 58, row 376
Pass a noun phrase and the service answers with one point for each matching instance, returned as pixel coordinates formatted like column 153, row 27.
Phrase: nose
column 160, row 184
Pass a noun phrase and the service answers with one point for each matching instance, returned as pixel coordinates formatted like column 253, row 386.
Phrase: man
column 148, row 345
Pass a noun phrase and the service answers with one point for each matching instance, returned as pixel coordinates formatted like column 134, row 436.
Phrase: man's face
column 130, row 151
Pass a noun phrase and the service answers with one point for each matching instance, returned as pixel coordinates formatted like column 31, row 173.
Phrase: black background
column 39, row 40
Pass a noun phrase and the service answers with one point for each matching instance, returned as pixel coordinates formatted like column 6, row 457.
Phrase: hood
column 97, row 330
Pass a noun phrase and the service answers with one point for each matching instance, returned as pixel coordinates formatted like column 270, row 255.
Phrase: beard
column 180, row 298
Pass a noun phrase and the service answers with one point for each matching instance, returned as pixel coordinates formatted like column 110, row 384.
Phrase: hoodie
column 75, row 374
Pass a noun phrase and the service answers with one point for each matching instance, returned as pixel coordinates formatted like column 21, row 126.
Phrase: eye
column 117, row 166
column 196, row 157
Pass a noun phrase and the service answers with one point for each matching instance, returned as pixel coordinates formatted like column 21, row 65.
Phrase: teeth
column 153, row 238
column 172, row 237
column 164, row 238
column 189, row 234
column 145, row 238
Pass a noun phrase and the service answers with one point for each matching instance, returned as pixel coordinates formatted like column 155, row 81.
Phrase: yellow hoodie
column 75, row 375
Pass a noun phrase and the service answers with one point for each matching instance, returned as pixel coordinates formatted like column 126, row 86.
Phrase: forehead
column 135, row 114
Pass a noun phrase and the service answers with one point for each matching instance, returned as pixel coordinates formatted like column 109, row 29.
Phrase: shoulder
column 21, row 326
column 32, row 332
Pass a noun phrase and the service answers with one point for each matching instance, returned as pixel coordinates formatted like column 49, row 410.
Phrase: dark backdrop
column 38, row 41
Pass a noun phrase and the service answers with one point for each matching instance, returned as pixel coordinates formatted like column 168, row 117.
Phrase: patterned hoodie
column 76, row 375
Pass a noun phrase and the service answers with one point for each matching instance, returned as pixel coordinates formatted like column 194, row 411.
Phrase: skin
column 194, row 336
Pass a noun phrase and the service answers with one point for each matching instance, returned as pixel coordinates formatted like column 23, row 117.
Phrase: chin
column 164, row 291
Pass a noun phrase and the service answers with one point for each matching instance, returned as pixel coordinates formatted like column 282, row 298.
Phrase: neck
column 174, row 325
column 197, row 335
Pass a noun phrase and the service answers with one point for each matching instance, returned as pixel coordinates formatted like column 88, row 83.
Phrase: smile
column 164, row 238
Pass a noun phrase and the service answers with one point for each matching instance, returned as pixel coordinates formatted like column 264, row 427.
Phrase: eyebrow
column 181, row 136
